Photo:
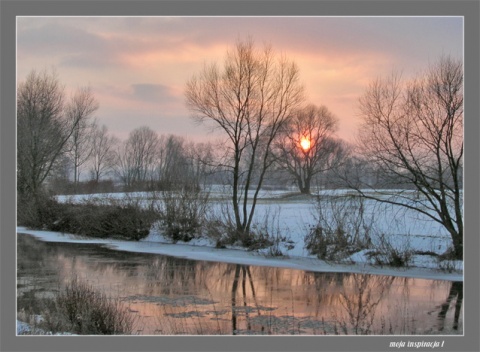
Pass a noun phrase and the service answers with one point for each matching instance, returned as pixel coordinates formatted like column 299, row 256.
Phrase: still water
column 177, row 296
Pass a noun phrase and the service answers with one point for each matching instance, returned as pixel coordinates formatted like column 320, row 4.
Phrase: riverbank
column 204, row 250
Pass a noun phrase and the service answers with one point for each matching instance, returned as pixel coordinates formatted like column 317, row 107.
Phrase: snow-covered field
column 291, row 218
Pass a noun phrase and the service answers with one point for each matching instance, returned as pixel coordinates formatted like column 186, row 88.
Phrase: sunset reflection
column 177, row 296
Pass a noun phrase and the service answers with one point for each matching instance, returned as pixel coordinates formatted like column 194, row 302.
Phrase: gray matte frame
column 470, row 10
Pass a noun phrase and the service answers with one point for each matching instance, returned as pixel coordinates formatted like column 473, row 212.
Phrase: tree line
column 61, row 145
column 410, row 138
column 59, row 140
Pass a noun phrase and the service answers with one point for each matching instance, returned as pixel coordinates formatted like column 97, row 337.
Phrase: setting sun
column 305, row 144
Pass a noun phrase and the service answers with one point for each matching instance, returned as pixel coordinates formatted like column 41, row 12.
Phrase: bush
column 447, row 261
column 129, row 222
column 223, row 230
column 119, row 219
column 267, row 234
column 327, row 244
column 36, row 211
column 342, row 228
column 89, row 312
column 393, row 254
column 183, row 213
column 255, row 240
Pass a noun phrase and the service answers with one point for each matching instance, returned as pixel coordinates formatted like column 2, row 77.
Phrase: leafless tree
column 103, row 152
column 307, row 147
column 413, row 133
column 201, row 157
column 58, row 179
column 182, row 163
column 173, row 166
column 137, row 158
column 81, row 108
column 43, row 129
column 250, row 98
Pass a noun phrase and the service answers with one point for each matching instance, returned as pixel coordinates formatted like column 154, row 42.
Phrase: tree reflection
column 456, row 291
column 360, row 305
column 234, row 299
column 322, row 290
column 200, row 297
column 245, row 270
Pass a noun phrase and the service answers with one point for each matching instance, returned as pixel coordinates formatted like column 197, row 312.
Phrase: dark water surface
column 178, row 296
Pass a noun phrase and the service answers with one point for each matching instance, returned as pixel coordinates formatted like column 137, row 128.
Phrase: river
column 178, row 296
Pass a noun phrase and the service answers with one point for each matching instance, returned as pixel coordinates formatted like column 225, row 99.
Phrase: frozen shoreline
column 202, row 250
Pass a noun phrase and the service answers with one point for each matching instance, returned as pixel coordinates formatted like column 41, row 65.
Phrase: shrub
column 222, row 229
column 447, row 261
column 121, row 219
column 75, row 308
column 255, row 240
column 37, row 211
column 183, row 213
column 342, row 228
column 326, row 244
column 267, row 234
column 395, row 254
column 129, row 222
column 79, row 309
column 224, row 232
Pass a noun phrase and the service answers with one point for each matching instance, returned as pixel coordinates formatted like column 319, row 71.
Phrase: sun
column 305, row 144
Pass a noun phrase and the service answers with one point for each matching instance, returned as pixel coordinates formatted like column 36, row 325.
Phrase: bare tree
column 173, row 165
column 250, row 99
column 181, row 163
column 202, row 162
column 136, row 159
column 81, row 108
column 103, row 152
column 413, row 133
column 43, row 129
column 58, row 179
column 306, row 146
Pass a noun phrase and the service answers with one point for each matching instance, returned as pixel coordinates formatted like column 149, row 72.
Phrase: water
column 177, row 296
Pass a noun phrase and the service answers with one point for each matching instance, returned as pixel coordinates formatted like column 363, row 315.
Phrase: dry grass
column 77, row 309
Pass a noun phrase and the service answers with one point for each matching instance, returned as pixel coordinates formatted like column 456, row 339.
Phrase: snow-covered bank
column 204, row 250
column 288, row 218
column 26, row 329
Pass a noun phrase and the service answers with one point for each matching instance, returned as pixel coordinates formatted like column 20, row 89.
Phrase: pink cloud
column 138, row 66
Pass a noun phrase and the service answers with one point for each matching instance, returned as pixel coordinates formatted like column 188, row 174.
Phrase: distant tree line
column 87, row 158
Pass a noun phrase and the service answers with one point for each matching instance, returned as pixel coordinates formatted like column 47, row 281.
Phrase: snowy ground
column 27, row 329
column 201, row 249
column 291, row 217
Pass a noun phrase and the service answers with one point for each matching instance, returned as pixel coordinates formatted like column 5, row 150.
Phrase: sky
column 137, row 67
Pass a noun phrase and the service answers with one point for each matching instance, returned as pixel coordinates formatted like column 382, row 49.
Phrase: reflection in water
column 178, row 296
column 237, row 310
column 456, row 290
column 361, row 302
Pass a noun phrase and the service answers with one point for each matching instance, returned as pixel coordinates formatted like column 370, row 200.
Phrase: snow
column 291, row 217
column 22, row 328
column 156, row 244
column 27, row 329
